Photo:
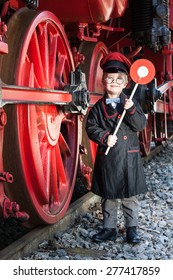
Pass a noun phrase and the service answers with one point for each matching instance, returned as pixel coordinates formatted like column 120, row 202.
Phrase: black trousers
column 130, row 208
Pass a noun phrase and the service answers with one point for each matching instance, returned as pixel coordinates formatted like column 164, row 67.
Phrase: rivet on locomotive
column 51, row 76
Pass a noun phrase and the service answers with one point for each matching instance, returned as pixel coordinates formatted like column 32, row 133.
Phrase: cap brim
column 115, row 70
column 115, row 66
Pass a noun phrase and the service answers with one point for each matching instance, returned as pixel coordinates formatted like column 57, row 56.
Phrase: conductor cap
column 115, row 62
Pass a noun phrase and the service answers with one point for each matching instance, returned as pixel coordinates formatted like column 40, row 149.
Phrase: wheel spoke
column 43, row 37
column 52, row 59
column 28, row 79
column 146, row 137
column 46, row 158
column 59, row 71
column 62, row 176
column 54, row 192
column 63, row 145
column 35, row 56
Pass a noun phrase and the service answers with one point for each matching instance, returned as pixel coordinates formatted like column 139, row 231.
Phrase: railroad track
column 30, row 241
column 154, row 152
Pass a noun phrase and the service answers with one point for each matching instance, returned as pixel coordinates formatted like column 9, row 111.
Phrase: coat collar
column 109, row 111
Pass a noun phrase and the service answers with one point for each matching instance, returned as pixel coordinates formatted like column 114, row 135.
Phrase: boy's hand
column 112, row 139
column 128, row 104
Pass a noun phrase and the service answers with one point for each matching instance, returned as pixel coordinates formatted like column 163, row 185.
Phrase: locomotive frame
column 50, row 77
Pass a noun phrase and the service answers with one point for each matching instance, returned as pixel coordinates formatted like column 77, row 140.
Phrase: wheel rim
column 46, row 153
column 146, row 137
column 93, row 53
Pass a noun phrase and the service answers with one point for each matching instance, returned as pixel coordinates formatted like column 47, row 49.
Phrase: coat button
column 125, row 137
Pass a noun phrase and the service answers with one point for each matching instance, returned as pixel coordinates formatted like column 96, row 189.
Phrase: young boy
column 119, row 174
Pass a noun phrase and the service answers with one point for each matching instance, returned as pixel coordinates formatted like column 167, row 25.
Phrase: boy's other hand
column 112, row 139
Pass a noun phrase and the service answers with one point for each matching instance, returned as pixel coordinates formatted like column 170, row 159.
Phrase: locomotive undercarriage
column 44, row 99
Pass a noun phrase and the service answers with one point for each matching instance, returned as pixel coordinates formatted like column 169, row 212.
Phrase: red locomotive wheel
column 41, row 142
column 93, row 53
column 146, row 137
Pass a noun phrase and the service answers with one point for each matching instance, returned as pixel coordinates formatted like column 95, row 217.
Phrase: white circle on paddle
column 142, row 71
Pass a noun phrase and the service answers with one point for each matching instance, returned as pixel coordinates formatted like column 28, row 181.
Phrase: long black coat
column 119, row 174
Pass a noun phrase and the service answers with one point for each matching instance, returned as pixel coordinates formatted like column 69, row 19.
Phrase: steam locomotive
column 50, row 54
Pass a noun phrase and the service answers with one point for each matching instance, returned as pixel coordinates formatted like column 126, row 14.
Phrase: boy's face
column 114, row 83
